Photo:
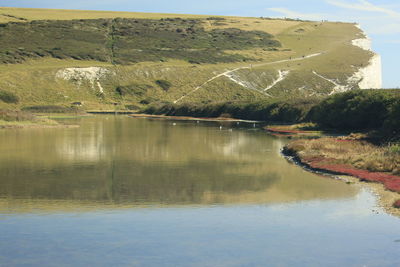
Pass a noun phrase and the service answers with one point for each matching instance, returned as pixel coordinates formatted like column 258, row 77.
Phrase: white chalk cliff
column 369, row 77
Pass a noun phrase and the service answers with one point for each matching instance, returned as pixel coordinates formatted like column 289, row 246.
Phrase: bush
column 132, row 107
column 278, row 111
column 391, row 126
column 377, row 110
column 10, row 115
column 132, row 89
column 50, row 109
column 8, row 97
column 354, row 110
column 165, row 85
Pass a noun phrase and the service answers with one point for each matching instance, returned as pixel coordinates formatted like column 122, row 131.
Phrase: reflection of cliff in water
column 118, row 160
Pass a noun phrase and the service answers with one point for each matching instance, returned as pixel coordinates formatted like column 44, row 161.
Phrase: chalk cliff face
column 369, row 77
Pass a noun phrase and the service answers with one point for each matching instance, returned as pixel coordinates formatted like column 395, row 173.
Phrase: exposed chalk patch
column 246, row 84
column 282, row 74
column 364, row 43
column 338, row 88
column 90, row 74
column 369, row 77
column 101, row 89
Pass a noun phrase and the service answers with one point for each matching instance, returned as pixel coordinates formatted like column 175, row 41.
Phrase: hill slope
column 101, row 58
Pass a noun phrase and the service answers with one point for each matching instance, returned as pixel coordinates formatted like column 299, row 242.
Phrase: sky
column 380, row 19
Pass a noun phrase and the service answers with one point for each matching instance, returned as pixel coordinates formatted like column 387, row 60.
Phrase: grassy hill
column 103, row 59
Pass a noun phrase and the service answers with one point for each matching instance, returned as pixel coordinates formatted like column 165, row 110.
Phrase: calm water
column 120, row 191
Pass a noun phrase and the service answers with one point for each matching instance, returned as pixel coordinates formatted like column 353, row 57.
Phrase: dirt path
column 227, row 73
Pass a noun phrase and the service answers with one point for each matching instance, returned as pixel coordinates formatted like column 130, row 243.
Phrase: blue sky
column 379, row 18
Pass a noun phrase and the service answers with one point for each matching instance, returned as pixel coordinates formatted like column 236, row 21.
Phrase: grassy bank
column 360, row 159
column 22, row 119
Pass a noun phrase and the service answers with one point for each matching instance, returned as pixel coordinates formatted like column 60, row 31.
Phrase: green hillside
column 103, row 59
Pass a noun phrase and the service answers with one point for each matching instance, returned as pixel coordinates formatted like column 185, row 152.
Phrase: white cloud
column 293, row 14
column 364, row 5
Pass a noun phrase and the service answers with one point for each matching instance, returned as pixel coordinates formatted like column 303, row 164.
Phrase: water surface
column 137, row 192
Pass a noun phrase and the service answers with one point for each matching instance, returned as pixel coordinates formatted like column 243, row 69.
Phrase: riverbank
column 366, row 163
column 188, row 118
column 14, row 119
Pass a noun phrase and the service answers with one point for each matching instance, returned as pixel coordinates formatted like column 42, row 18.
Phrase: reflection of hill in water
column 123, row 160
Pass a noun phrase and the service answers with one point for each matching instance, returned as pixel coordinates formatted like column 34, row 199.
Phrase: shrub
column 394, row 149
column 50, row 109
column 132, row 107
column 11, row 115
column 132, row 89
column 8, row 97
column 354, row 110
column 391, row 126
column 165, row 85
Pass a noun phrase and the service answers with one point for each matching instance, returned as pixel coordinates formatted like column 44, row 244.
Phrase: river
column 121, row 191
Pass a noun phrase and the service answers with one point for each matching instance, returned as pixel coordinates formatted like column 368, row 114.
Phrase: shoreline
column 188, row 118
column 385, row 198
column 36, row 126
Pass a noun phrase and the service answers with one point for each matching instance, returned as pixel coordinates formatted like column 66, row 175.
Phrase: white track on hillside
column 229, row 72
column 338, row 87
column 282, row 74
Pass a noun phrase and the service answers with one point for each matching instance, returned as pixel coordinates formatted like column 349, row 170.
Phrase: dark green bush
column 132, row 89
column 354, row 110
column 132, row 107
column 277, row 111
column 50, row 109
column 391, row 126
column 8, row 97
column 364, row 110
column 165, row 85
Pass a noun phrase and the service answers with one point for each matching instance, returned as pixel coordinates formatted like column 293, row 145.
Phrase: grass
column 11, row 115
column 63, row 14
column 17, row 119
column 360, row 154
